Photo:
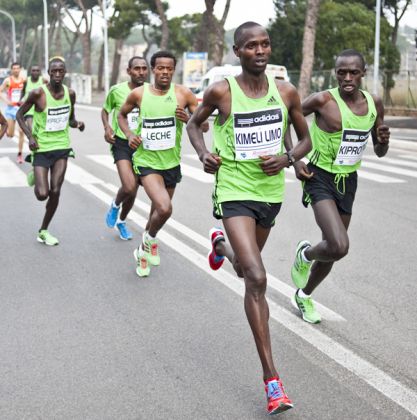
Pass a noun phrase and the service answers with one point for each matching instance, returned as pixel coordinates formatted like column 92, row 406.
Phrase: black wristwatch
column 290, row 157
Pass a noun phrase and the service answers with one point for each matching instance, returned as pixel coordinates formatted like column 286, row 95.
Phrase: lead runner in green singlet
column 248, row 161
column 344, row 120
column 49, row 140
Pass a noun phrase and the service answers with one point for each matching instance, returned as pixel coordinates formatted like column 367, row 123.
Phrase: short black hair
column 56, row 59
column 16, row 63
column 352, row 53
column 136, row 57
column 241, row 28
column 162, row 54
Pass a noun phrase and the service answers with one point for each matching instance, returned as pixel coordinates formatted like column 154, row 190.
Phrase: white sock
column 119, row 220
column 303, row 255
column 147, row 236
column 302, row 295
column 114, row 205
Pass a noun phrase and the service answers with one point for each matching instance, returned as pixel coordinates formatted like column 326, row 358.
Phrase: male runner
column 158, row 146
column 13, row 86
column 34, row 81
column 345, row 117
column 248, row 162
column 3, row 125
column 138, row 71
column 49, row 139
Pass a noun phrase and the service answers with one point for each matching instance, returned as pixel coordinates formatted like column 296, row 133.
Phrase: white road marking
column 371, row 176
column 391, row 169
column 392, row 161
column 11, row 174
column 372, row 375
column 408, row 157
column 77, row 175
column 11, row 150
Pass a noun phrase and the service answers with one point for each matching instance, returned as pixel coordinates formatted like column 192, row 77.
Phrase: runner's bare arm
column 192, row 105
column 132, row 101
column 380, row 132
column 3, row 125
column 32, row 100
column 108, row 130
column 211, row 100
column 3, row 87
column 73, row 123
column 22, row 94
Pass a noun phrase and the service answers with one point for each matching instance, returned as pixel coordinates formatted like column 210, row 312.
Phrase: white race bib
column 158, row 133
column 133, row 119
column 57, row 118
column 15, row 95
column 352, row 146
column 258, row 133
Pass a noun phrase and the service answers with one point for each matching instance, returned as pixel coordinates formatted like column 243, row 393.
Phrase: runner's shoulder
column 320, row 99
column 217, row 90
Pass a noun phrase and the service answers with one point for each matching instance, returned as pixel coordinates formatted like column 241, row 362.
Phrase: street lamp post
column 106, row 49
column 376, row 49
column 13, row 33
column 45, row 33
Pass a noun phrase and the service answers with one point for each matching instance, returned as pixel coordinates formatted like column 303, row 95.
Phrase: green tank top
column 114, row 101
column 29, row 87
column 341, row 152
column 160, row 131
column 255, row 127
column 50, row 127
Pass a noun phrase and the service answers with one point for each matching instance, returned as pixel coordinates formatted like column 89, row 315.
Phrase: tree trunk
column 22, row 47
column 116, row 61
column 164, row 20
column 309, row 40
column 34, row 47
column 100, row 70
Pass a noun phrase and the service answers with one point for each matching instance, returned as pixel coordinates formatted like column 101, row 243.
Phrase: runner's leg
column 333, row 247
column 127, row 192
column 246, row 240
column 57, row 178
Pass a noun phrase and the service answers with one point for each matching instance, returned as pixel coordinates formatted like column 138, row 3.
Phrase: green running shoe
column 142, row 269
column 300, row 270
column 152, row 251
column 46, row 238
column 307, row 309
column 30, row 177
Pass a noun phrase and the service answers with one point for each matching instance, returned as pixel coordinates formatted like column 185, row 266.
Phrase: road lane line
column 77, row 175
column 391, row 169
column 273, row 282
column 11, row 175
column 393, row 161
column 408, row 156
column 371, row 176
column 372, row 375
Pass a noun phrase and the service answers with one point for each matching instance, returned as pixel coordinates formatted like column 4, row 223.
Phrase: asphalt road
column 82, row 337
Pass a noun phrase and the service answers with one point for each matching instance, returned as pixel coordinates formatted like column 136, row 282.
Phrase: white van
column 215, row 74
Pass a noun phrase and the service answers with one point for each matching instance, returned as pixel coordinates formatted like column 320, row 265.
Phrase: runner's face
column 15, row 71
column 254, row 49
column 57, row 73
column 35, row 72
column 349, row 73
column 163, row 72
column 138, row 72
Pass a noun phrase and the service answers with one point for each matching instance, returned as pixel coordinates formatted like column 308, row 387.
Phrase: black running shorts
column 120, row 150
column 327, row 186
column 48, row 159
column 171, row 176
column 263, row 213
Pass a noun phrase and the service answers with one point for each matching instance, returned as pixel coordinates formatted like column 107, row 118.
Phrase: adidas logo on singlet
column 372, row 116
column 272, row 101
column 168, row 99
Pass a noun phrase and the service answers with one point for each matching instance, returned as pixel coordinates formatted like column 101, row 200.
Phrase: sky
column 258, row 10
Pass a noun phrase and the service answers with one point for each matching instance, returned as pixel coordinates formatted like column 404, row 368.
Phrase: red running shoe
column 277, row 399
column 215, row 261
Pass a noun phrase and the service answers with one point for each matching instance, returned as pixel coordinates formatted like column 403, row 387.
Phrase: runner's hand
column 273, row 164
column 80, row 125
column 181, row 115
column 134, row 141
column 383, row 134
column 211, row 162
column 109, row 135
column 33, row 145
column 301, row 171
